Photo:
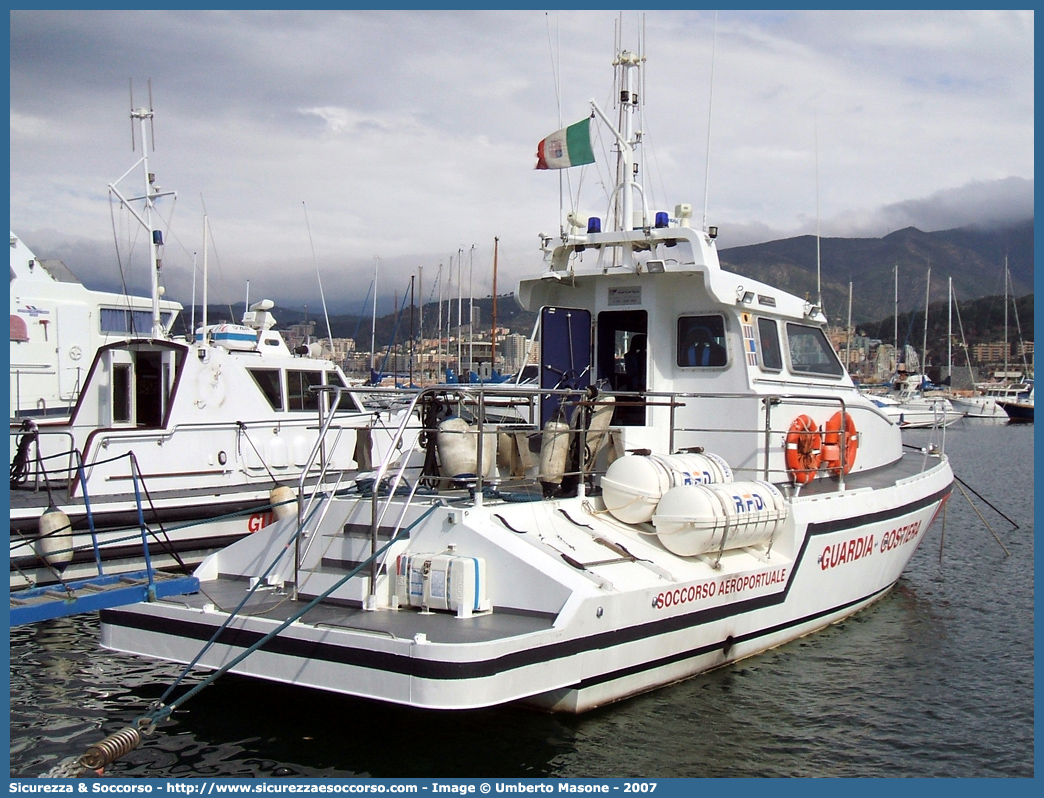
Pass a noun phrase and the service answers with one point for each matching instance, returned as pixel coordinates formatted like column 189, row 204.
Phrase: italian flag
column 570, row 146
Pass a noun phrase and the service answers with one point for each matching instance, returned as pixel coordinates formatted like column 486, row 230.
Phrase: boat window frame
column 130, row 321
column 684, row 336
column 762, row 364
column 838, row 369
column 122, row 393
column 306, row 401
column 266, row 391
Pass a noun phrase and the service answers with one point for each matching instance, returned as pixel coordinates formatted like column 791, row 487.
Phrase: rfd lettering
column 748, row 502
column 696, row 478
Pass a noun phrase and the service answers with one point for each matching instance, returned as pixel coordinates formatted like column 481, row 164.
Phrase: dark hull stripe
column 121, row 519
column 428, row 669
column 132, row 551
column 681, row 656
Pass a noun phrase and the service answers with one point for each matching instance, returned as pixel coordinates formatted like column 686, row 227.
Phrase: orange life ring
column 802, row 449
column 832, row 449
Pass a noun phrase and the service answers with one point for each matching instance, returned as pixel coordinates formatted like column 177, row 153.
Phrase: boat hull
column 622, row 626
column 181, row 534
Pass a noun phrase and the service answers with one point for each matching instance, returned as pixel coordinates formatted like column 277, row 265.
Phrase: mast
column 412, row 334
column 460, row 313
column 924, row 344
column 373, row 322
column 625, row 139
column 493, row 326
column 438, row 345
column 420, row 320
column 848, row 331
column 819, row 281
column 192, row 324
column 1006, row 318
column 149, row 197
column 949, row 329
column 319, row 279
column 206, row 224
column 895, row 316
column 471, row 310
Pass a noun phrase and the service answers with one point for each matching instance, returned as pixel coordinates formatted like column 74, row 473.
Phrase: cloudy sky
column 321, row 141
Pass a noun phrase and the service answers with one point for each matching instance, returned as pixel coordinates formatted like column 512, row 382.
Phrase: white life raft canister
column 237, row 337
column 694, row 519
column 633, row 485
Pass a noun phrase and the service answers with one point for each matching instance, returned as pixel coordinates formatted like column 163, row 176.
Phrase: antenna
column 152, row 118
column 819, row 280
column 318, row 277
column 131, row 87
column 710, row 108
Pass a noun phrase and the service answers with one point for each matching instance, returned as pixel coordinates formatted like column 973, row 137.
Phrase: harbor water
column 933, row 680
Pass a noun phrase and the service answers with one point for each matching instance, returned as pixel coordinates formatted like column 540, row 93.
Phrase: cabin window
column 701, row 341
column 121, row 394
column 811, row 352
column 121, row 321
column 270, row 384
column 771, row 358
column 298, row 390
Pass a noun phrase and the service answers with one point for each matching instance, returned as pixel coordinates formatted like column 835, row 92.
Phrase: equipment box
column 442, row 582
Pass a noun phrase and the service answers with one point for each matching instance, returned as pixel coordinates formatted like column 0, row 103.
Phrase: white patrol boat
column 57, row 324
column 701, row 482
column 184, row 445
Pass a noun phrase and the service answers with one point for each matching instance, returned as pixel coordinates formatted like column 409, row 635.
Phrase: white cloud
column 411, row 135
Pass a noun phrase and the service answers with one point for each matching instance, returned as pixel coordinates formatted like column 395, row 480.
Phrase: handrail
column 317, row 448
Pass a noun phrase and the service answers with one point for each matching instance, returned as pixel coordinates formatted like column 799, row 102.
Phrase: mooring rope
column 111, row 748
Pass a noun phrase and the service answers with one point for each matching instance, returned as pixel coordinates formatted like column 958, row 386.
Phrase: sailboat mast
column 373, row 319
column 420, row 313
column 924, row 342
column 206, row 225
column 412, row 333
column 895, row 315
column 1006, row 318
column 493, row 325
column 471, row 310
column 949, row 328
column 460, row 312
column 192, row 323
column 848, row 331
column 438, row 345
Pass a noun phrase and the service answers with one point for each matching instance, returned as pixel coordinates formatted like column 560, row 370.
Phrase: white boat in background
column 985, row 402
column 188, row 445
column 988, row 398
column 1020, row 409
column 909, row 407
column 57, row 324
column 714, row 508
